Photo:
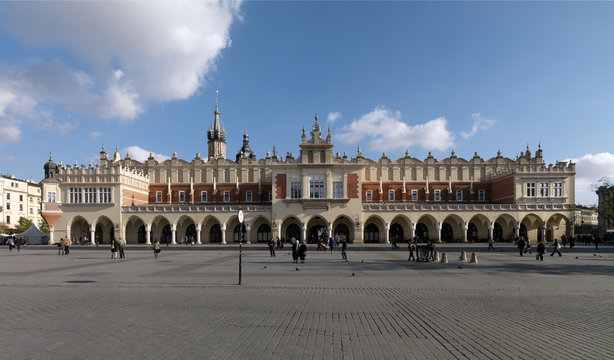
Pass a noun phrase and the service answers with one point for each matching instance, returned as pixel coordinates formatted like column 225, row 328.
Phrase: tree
column 605, row 191
column 24, row 224
column 4, row 228
column 44, row 226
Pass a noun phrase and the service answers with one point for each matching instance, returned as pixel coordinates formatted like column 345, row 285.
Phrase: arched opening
column 479, row 225
column 422, row 232
column 141, row 236
column 291, row 227
column 343, row 229
column 371, row 234
column 215, row 234
column 293, row 231
column 264, row 233
column 317, row 228
column 342, row 232
column 447, row 233
column 134, row 229
column 497, row 233
column 186, row 230
column 523, row 231
column 556, row 227
column 472, row 232
column 167, row 234
column 426, row 228
column 532, row 227
column 507, row 225
column 238, row 235
column 79, row 230
column 190, row 232
column 160, row 230
column 396, row 233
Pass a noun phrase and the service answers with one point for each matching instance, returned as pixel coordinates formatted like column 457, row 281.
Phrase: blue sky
column 423, row 76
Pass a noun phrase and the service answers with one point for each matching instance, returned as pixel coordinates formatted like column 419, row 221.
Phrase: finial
column 406, row 152
column 50, row 156
column 303, row 131
column 539, row 145
column 316, row 117
column 102, row 147
column 499, row 153
column 527, row 146
column 328, row 129
column 274, row 151
column 453, row 153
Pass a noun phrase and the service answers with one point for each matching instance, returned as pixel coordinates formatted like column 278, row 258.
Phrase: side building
column 316, row 193
column 20, row 198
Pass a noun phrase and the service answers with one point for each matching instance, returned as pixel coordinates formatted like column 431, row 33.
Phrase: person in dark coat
column 541, row 250
column 412, row 248
column 272, row 247
column 344, row 247
column 294, row 250
column 521, row 244
column 302, row 251
column 557, row 248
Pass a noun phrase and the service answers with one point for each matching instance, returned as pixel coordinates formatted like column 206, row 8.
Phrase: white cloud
column 332, row 116
column 385, row 130
column 95, row 134
column 589, row 169
column 130, row 54
column 139, row 154
column 479, row 123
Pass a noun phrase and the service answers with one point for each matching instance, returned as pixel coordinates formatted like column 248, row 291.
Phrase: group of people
column 412, row 246
column 117, row 248
column 14, row 242
column 299, row 248
column 64, row 246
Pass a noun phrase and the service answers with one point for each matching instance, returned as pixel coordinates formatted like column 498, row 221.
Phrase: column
column 330, row 230
column 304, row 232
column 148, row 234
column 543, row 230
column 198, row 227
column 387, row 226
column 51, row 229
column 248, row 228
column 439, row 228
column 491, row 227
column 412, row 227
column 92, row 235
column 305, row 183
column 465, row 229
column 517, row 229
column 174, row 234
column 224, row 234
column 329, row 185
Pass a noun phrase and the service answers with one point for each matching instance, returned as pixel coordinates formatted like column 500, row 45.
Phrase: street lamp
column 241, row 218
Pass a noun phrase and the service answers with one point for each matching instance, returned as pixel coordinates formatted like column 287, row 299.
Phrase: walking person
column 596, row 241
column 114, row 248
column 61, row 247
column 121, row 244
column 272, row 247
column 541, row 250
column 412, row 249
column 11, row 242
column 302, row 251
column 67, row 244
column 394, row 243
column 557, row 248
column 431, row 247
column 294, row 250
column 331, row 244
column 527, row 249
column 344, row 247
column 156, row 249
column 490, row 247
column 521, row 244
column 278, row 242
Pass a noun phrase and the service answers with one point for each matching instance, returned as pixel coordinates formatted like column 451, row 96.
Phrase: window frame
column 226, row 196
column 158, row 197
column 181, row 196
column 203, row 196
column 436, row 195
column 391, row 194
column 530, row 189
column 368, row 195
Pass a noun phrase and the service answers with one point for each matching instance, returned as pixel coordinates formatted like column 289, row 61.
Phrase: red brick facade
column 502, row 190
column 280, row 186
column 352, row 186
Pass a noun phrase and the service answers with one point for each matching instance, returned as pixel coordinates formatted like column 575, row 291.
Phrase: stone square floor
column 187, row 304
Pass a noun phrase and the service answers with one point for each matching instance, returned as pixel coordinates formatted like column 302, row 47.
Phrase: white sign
column 241, row 216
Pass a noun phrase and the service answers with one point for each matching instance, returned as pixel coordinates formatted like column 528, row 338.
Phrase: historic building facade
column 318, row 192
column 19, row 198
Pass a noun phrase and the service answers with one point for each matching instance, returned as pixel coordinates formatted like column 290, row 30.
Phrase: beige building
column 20, row 198
column 316, row 193
column 34, row 204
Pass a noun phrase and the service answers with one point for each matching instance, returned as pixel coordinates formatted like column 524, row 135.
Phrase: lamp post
column 240, row 216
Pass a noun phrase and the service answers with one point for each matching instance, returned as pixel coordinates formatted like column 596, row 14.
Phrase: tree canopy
column 24, row 224
column 605, row 191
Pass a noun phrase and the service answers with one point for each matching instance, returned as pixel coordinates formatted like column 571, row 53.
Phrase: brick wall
column 280, row 186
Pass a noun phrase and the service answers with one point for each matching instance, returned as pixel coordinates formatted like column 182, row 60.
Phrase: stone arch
column 135, row 230
column 317, row 226
column 556, row 226
column 78, row 228
column 343, row 227
column 374, row 230
column 508, row 228
column 452, row 228
column 160, row 229
column 186, row 226
column 531, row 227
column 477, row 228
column 291, row 226
column 206, row 224
column 426, row 228
column 259, row 227
column 400, row 229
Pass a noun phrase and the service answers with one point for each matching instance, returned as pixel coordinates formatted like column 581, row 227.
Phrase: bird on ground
column 352, row 274
column 265, row 266
column 297, row 269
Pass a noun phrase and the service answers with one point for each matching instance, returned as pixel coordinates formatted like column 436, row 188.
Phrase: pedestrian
column 564, row 241
column 521, row 245
column 572, row 242
column 11, row 242
column 114, row 248
column 278, row 242
column 67, row 244
column 596, row 241
column 294, row 250
column 557, row 248
column 156, row 249
column 527, row 249
column 272, row 247
column 541, row 250
column 121, row 244
column 18, row 243
column 490, row 241
column 394, row 243
column 319, row 242
column 331, row 244
column 302, row 251
column 412, row 249
column 344, row 247
column 96, row 240
column 62, row 246
column 431, row 247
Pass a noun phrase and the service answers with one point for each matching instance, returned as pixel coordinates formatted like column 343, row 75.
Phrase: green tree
column 44, row 226
column 24, row 224
column 605, row 191
column 4, row 228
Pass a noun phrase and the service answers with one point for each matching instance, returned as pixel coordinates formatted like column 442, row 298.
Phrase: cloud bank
column 479, row 123
column 139, row 154
column 130, row 54
column 589, row 169
column 384, row 130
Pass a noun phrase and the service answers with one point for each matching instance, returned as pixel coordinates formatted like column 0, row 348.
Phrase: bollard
column 474, row 258
column 463, row 256
column 437, row 258
column 444, row 258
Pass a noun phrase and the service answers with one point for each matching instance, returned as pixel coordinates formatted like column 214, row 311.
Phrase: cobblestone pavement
column 187, row 305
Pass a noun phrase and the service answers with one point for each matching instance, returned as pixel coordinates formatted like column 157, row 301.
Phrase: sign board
column 241, row 216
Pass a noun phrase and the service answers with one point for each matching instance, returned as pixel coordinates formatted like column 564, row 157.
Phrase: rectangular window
column 75, row 196
column 20, row 197
column 316, row 189
column 51, row 196
column 390, row 195
column 248, row 196
column 543, row 189
column 20, row 207
column 105, row 196
column 158, row 196
column 90, row 195
column 8, row 219
column 557, row 189
column 437, row 195
column 459, row 195
column 182, row 196
column 203, row 196
column 8, row 196
column 296, row 191
column 30, row 200
column 414, row 195
column 226, row 196
column 530, row 189
column 481, row 195
column 338, row 190
column 8, row 206
column 31, row 211
column 270, row 196
column 368, row 195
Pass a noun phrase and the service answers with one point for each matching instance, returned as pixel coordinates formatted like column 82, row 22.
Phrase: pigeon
column 353, row 274
column 362, row 261
column 599, row 255
column 460, row 267
column 594, row 254
column 265, row 266
column 297, row 269
column 576, row 257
